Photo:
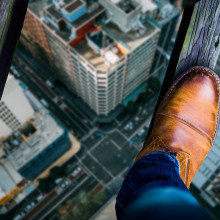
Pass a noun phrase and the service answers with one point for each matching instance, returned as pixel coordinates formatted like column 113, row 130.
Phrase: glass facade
column 46, row 157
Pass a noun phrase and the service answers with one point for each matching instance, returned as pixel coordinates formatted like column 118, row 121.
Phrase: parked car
column 23, row 86
column 73, row 185
column 59, row 180
column 76, row 171
column 28, row 208
column 16, row 73
column 133, row 140
column 100, row 134
column 40, row 197
column 49, row 83
column 141, row 132
column 44, row 103
column 18, row 217
column 136, row 118
column 128, row 126
column 63, row 186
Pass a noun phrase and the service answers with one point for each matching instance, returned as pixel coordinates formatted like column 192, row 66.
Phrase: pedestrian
column 185, row 126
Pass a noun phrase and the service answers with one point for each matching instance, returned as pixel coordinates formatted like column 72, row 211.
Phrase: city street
column 67, row 113
column 104, row 156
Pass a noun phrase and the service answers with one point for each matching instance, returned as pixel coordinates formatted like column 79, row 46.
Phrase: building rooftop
column 58, row 14
column 96, row 59
column 31, row 138
column 93, row 10
column 167, row 11
column 127, row 6
column 73, row 6
column 105, row 59
column 148, row 5
column 7, row 184
column 133, row 38
column 100, row 39
column 54, row 13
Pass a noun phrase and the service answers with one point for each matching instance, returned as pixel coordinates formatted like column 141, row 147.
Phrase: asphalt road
column 105, row 157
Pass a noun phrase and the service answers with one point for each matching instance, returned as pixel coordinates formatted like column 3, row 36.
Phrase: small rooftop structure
column 132, row 39
column 74, row 5
column 106, row 56
column 100, row 61
column 123, row 13
column 148, row 5
column 127, row 6
column 65, row 17
column 98, row 40
column 33, row 137
column 68, row 12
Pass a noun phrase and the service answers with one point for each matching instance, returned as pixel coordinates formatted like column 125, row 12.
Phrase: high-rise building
column 167, row 22
column 103, row 50
column 207, row 178
column 12, row 111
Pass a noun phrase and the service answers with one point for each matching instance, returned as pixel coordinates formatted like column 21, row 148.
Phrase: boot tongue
column 170, row 150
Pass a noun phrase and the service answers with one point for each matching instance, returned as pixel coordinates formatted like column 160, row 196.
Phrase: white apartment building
column 114, row 59
column 14, row 108
column 107, row 77
column 103, row 50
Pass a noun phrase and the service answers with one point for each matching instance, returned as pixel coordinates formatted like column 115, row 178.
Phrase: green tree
column 83, row 208
column 132, row 107
column 44, row 185
column 144, row 97
column 56, row 172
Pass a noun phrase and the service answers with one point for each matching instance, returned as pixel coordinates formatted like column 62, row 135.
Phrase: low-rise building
column 35, row 142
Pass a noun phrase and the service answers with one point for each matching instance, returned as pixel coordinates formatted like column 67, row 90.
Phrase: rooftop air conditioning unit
column 115, row 1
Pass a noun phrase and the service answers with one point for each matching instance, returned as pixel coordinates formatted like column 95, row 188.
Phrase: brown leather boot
column 186, row 121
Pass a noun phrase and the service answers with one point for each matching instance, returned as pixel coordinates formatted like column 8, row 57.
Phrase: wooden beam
column 197, row 43
column 11, row 22
column 202, row 41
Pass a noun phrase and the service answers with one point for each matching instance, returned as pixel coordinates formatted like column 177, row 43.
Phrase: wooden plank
column 5, row 15
column 202, row 41
column 12, row 13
